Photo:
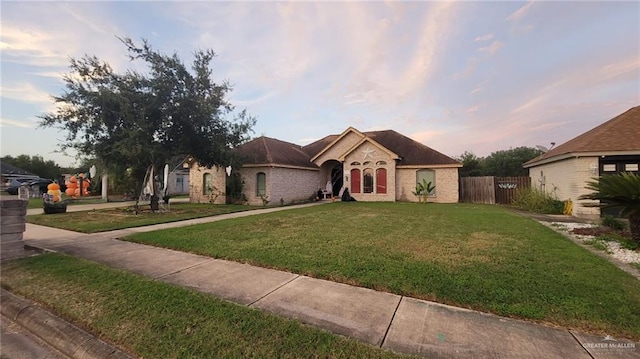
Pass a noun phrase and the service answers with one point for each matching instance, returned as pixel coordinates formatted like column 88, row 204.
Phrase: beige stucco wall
column 196, row 183
column 288, row 184
column 446, row 184
column 566, row 179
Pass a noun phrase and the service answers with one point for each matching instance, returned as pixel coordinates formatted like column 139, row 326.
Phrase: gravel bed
column 613, row 247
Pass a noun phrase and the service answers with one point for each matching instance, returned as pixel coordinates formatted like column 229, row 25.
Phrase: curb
column 63, row 336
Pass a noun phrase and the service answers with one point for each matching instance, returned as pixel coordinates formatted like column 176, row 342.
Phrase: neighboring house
column 612, row 147
column 178, row 181
column 373, row 166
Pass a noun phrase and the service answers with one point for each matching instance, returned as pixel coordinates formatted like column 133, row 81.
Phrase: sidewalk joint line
column 274, row 289
column 185, row 268
column 580, row 343
column 391, row 322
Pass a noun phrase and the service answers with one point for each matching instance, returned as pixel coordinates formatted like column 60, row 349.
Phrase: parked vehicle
column 11, row 186
column 39, row 183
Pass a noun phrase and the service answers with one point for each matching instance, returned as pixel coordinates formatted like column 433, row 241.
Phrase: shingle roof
column 411, row 152
column 620, row 134
column 270, row 151
column 8, row 169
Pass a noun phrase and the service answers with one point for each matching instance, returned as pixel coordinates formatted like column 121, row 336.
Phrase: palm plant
column 618, row 191
column 423, row 189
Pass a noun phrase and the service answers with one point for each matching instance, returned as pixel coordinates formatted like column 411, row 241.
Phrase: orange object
column 70, row 191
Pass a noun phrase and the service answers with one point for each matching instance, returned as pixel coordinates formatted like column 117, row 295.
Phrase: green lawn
column 125, row 217
column 476, row 256
column 37, row 202
column 158, row 320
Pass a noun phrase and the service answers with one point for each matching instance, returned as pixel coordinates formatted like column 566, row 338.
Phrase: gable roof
column 412, row 153
column 369, row 140
column 620, row 135
column 270, row 151
column 338, row 138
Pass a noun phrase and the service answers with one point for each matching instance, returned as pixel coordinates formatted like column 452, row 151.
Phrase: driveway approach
column 390, row 321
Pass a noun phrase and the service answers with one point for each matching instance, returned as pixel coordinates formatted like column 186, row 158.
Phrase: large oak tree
column 139, row 119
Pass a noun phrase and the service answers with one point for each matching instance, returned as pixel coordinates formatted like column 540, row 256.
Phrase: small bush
column 531, row 200
column 614, row 223
column 597, row 244
column 629, row 244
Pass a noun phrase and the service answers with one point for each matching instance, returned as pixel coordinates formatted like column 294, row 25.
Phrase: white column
column 105, row 185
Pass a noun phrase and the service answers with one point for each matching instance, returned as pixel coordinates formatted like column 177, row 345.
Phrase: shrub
column 614, row 223
column 531, row 200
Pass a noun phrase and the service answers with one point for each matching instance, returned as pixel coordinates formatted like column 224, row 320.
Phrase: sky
column 477, row 76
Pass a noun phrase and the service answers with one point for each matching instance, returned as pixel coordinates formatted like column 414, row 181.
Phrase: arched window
column 381, row 181
column 367, row 179
column 429, row 176
column 368, row 163
column 355, row 180
column 261, row 184
column 381, row 163
column 355, row 163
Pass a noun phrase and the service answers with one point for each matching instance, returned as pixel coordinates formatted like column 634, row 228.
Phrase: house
column 178, row 181
column 373, row 166
column 612, row 147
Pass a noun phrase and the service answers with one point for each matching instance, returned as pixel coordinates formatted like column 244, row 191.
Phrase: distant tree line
column 35, row 164
column 45, row 168
column 505, row 163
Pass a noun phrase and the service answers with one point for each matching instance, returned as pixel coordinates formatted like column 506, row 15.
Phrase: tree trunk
column 634, row 226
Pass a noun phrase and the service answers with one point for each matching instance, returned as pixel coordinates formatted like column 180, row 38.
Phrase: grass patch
column 597, row 243
column 37, row 202
column 476, row 256
column 158, row 320
column 125, row 217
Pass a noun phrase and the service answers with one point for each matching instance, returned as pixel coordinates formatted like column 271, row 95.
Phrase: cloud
column 521, row 12
column 629, row 67
column 254, row 101
column 436, row 26
column 30, row 46
column 472, row 109
column 47, row 34
column 485, row 37
column 425, row 137
column 493, row 48
column 5, row 122
column 476, row 90
column 26, row 92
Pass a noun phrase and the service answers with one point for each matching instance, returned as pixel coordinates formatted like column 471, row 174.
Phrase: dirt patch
column 479, row 247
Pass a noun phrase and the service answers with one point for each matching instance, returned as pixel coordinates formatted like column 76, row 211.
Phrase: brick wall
column 446, row 185
column 375, row 158
column 288, row 184
column 196, row 184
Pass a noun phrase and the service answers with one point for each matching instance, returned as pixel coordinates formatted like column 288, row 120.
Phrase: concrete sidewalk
column 390, row 321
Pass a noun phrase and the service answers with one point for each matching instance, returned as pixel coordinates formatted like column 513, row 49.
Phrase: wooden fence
column 491, row 190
